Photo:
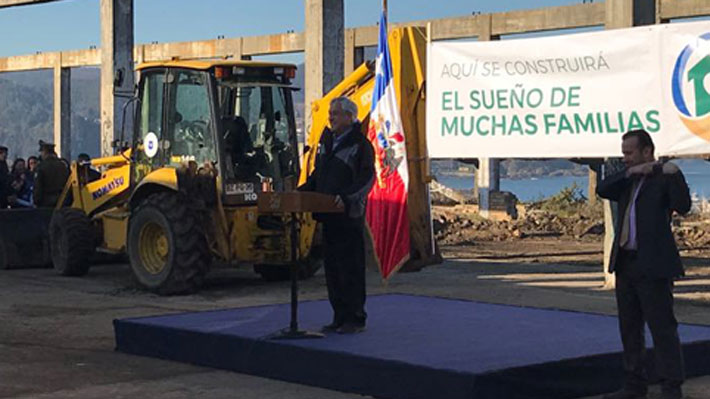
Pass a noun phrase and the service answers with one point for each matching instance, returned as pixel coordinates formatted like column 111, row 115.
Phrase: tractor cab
column 258, row 129
column 232, row 117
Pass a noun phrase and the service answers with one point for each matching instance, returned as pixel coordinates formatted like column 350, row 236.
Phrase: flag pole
column 427, row 160
column 384, row 7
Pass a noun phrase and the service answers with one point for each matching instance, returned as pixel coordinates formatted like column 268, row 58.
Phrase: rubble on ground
column 565, row 215
column 461, row 224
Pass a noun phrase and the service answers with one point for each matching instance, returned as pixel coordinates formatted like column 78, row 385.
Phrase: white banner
column 571, row 96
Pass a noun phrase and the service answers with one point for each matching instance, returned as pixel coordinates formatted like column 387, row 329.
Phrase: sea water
column 697, row 174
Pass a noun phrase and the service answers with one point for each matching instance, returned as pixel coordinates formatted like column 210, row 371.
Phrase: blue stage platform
column 414, row 347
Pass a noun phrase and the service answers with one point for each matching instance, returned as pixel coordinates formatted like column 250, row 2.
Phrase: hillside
column 26, row 116
column 26, row 111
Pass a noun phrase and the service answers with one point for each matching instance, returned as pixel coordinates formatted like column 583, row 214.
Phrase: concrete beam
column 69, row 59
column 197, row 49
column 324, row 41
column 14, row 3
column 117, row 72
column 276, row 44
column 550, row 18
column 564, row 17
column 536, row 20
column 670, row 9
column 62, row 110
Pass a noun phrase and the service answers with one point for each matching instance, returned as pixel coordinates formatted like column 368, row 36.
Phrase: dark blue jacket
column 347, row 170
column 659, row 196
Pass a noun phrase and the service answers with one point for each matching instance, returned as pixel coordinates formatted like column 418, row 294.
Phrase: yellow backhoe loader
column 208, row 138
column 181, row 193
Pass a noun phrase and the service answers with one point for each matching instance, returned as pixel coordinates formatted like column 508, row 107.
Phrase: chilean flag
column 387, row 216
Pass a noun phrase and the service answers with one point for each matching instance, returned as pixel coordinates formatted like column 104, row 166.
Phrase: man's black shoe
column 625, row 394
column 332, row 327
column 350, row 328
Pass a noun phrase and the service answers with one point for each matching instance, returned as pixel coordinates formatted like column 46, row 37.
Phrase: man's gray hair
column 346, row 105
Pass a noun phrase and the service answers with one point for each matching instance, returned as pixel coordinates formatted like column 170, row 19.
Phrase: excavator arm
column 408, row 53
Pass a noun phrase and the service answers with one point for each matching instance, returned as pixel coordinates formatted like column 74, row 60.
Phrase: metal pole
column 294, row 273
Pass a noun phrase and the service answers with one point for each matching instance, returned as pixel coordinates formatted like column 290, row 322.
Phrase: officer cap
column 43, row 145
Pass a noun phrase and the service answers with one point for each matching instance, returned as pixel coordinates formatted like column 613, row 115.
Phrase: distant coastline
column 520, row 174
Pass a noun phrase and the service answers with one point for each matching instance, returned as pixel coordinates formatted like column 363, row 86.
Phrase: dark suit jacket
column 346, row 169
column 660, row 195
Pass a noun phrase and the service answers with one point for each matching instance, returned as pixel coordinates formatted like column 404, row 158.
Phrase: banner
column 386, row 215
column 571, row 96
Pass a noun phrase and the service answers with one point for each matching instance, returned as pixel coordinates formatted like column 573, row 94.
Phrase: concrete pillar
column 592, row 186
column 349, row 54
column 117, row 76
column 488, row 181
column 325, row 49
column 628, row 13
column 488, row 174
column 62, row 110
column 621, row 14
column 359, row 57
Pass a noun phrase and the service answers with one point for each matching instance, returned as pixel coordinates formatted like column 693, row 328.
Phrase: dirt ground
column 56, row 336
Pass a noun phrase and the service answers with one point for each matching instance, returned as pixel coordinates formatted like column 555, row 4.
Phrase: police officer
column 51, row 176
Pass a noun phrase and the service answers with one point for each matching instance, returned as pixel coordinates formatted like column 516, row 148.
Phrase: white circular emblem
column 150, row 145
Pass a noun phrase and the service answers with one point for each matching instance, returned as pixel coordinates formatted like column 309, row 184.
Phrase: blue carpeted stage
column 414, row 347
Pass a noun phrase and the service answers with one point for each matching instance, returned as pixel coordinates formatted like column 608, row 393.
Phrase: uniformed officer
column 51, row 176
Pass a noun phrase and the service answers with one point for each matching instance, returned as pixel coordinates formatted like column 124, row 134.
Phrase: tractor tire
column 72, row 242
column 307, row 269
column 167, row 247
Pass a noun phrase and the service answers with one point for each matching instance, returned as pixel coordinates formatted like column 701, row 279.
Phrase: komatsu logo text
column 117, row 182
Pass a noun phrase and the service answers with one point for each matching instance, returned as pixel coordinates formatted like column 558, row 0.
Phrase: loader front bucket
column 24, row 238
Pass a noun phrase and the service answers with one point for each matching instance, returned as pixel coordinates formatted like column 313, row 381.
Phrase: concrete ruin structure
column 328, row 56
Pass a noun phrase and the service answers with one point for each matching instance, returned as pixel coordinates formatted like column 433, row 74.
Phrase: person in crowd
column 32, row 163
column 4, row 177
column 20, row 189
column 645, row 260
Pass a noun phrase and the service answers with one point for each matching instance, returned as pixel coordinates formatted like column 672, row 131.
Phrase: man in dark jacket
column 645, row 259
column 4, row 177
column 344, row 168
column 50, row 178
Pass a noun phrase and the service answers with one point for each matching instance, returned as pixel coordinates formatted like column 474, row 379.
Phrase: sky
column 74, row 24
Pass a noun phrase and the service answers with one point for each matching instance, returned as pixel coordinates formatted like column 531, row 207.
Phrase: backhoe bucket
column 24, row 238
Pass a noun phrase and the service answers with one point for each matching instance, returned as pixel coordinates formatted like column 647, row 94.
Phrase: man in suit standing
column 344, row 168
column 646, row 260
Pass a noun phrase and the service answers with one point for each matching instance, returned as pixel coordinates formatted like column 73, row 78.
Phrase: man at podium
column 344, row 168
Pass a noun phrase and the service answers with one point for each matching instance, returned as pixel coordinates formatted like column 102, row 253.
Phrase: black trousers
column 345, row 270
column 644, row 300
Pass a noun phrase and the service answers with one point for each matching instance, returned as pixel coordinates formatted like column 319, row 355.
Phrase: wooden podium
column 295, row 203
